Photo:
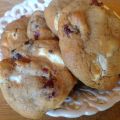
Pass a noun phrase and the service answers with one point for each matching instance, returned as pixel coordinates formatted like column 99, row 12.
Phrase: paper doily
column 85, row 101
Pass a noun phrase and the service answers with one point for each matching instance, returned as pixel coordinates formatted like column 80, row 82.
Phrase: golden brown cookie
column 35, row 79
column 37, row 28
column 90, row 43
column 52, row 13
column 13, row 36
column 15, row 33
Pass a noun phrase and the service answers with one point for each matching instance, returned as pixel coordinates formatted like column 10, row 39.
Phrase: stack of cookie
column 44, row 55
column 89, row 40
column 34, row 78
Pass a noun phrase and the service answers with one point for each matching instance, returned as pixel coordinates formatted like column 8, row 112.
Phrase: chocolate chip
column 67, row 30
column 96, row 2
column 17, row 56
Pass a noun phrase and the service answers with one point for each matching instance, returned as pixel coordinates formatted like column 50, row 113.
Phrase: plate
column 82, row 101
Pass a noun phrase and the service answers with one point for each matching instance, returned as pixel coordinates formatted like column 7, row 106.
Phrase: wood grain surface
column 6, row 113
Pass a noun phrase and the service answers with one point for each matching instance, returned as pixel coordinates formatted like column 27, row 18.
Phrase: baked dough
column 90, row 43
column 52, row 13
column 37, row 28
column 34, row 82
column 13, row 37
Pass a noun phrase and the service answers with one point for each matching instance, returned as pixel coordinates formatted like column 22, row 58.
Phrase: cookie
column 35, row 80
column 37, row 28
column 52, row 13
column 90, row 43
column 15, row 33
column 14, row 36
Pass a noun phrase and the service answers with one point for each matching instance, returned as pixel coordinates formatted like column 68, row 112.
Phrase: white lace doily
column 86, row 101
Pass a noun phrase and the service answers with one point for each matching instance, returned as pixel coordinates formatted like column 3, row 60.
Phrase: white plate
column 85, row 101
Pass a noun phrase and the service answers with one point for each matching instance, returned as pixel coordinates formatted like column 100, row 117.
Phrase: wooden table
column 6, row 113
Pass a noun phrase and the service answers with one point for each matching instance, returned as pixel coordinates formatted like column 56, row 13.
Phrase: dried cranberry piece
column 17, row 56
column 45, row 70
column 52, row 95
column 67, row 30
column 36, row 35
column 96, row 2
column 49, row 84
